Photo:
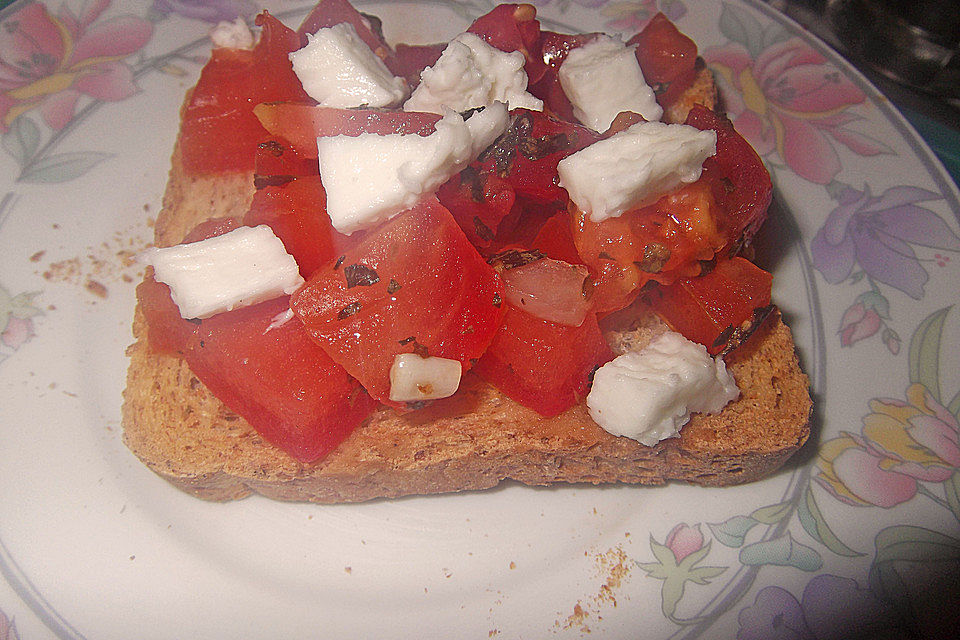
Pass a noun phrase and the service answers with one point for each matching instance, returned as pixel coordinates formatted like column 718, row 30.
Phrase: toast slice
column 472, row 440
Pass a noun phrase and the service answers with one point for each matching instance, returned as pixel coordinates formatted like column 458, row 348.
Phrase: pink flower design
column 49, row 61
column 17, row 331
column 858, row 322
column 684, row 540
column 789, row 100
column 901, row 444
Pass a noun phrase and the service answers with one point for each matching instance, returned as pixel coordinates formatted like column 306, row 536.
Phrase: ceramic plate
column 864, row 243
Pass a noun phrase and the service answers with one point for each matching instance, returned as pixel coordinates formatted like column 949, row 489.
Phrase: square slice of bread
column 473, row 440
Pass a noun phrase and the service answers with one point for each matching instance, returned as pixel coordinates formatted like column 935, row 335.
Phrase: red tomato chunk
column 415, row 284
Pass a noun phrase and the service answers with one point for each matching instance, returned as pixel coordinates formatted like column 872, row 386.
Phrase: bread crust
column 473, row 440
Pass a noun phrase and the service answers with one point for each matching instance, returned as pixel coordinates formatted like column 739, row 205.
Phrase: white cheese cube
column 370, row 178
column 232, row 35
column 413, row 378
column 648, row 396
column 471, row 73
column 243, row 267
column 338, row 69
column 635, row 167
column 603, row 78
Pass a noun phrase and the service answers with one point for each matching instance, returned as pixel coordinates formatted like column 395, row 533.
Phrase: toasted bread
column 472, row 440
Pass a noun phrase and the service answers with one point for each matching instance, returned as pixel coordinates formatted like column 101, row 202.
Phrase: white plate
column 93, row 545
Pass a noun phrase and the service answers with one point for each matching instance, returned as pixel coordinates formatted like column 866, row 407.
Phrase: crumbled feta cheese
column 414, row 378
column 232, row 35
column 635, row 167
column 370, row 178
column 649, row 395
column 603, row 78
column 470, row 73
column 243, row 267
column 338, row 69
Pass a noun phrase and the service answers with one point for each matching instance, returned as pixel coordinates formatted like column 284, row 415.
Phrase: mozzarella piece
column 648, row 396
column 240, row 268
column 470, row 73
column 413, row 378
column 635, row 167
column 232, row 35
column 603, row 78
column 370, row 178
column 338, row 69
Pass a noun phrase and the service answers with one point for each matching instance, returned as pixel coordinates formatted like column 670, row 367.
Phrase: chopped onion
column 548, row 289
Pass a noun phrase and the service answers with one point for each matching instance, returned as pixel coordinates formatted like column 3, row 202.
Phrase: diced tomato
column 660, row 242
column 415, row 284
column 410, row 59
column 528, row 153
column 543, row 365
column 478, row 202
column 740, row 182
column 278, row 379
column 219, row 132
column 708, row 308
column 667, row 58
column 277, row 161
column 301, row 125
column 328, row 13
column 665, row 241
column 297, row 213
column 514, row 27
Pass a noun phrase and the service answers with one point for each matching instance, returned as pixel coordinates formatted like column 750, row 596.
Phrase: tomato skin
column 527, row 155
column 328, row 13
column 219, row 132
column 660, row 242
column 301, row 124
column 667, row 58
column 167, row 332
column 478, row 202
column 555, row 239
column 705, row 308
column 297, row 213
column 432, row 290
column 276, row 161
column 543, row 365
column 740, row 182
column 278, row 380
column 513, row 27
column 411, row 59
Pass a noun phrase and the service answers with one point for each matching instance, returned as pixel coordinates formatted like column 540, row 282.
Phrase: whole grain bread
column 473, row 440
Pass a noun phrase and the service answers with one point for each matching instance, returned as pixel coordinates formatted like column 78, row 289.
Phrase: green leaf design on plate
column 732, row 532
column 915, row 544
column 816, row 525
column 773, row 513
column 906, row 543
column 783, row 551
column 775, row 33
column 62, row 167
column 22, row 140
column 952, row 488
column 925, row 352
column 740, row 26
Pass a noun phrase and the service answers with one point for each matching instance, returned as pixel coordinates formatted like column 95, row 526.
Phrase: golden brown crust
column 473, row 440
